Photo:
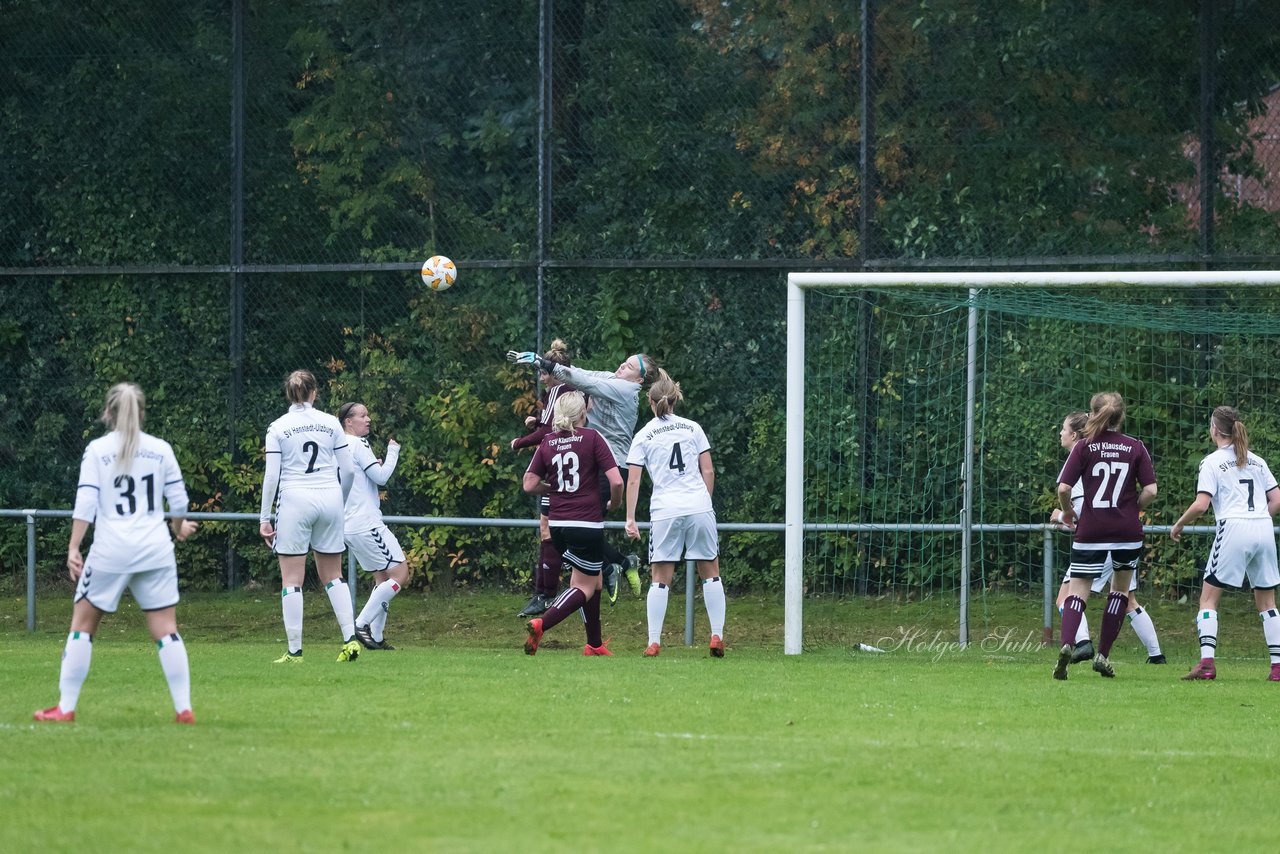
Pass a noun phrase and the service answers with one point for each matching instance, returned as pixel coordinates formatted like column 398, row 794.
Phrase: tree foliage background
column 689, row 153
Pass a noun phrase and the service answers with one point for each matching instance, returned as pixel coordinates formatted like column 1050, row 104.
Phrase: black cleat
column 535, row 606
column 1064, row 661
column 1156, row 659
column 1102, row 666
column 610, row 583
column 1083, row 652
column 382, row 644
column 365, row 637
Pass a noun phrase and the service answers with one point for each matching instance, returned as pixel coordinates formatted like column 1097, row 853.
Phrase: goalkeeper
column 615, row 399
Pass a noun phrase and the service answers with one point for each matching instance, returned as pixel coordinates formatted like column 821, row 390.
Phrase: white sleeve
column 175, row 490
column 380, row 474
column 270, row 480
column 87, row 487
column 346, row 466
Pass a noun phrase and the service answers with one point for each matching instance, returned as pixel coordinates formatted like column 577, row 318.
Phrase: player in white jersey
column 677, row 456
column 308, row 477
column 126, row 477
column 1072, row 431
column 376, row 549
column 1244, row 495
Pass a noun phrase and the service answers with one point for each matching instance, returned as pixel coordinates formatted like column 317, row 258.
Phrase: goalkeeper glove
column 522, row 358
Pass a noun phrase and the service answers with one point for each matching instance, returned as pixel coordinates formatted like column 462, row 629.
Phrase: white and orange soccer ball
column 439, row 273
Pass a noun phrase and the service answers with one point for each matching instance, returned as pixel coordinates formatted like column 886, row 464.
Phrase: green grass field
column 457, row 741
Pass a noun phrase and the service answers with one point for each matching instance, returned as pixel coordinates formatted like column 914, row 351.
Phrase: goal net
column 924, row 412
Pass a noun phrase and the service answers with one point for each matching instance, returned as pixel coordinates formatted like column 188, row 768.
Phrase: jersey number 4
column 126, row 484
column 1106, row 472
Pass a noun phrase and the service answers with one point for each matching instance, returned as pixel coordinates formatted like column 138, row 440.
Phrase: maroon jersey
column 1111, row 468
column 573, row 463
column 545, row 418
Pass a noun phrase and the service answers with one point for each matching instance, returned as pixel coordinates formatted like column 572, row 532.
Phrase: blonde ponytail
column 123, row 413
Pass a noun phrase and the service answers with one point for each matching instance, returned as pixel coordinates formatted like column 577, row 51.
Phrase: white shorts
column 309, row 519
column 688, row 537
column 375, row 549
column 1102, row 582
column 152, row 589
column 1243, row 548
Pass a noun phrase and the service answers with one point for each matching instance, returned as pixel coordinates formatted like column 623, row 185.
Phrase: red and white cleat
column 716, row 646
column 653, row 649
column 1204, row 671
column 185, row 717
column 55, row 713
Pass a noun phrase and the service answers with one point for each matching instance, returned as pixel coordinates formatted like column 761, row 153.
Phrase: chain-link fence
column 202, row 196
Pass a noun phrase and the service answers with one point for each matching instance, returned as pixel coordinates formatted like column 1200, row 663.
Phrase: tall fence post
column 1048, row 588
column 31, row 570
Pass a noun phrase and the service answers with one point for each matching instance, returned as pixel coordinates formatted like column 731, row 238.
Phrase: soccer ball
column 438, row 273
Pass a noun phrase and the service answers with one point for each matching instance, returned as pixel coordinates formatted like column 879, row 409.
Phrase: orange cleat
column 717, row 647
column 185, row 717
column 602, row 649
column 535, row 635
column 55, row 713
column 653, row 649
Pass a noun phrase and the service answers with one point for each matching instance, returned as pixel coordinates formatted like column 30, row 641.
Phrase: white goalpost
column 966, row 290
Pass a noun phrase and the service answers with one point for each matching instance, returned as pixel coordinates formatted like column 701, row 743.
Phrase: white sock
column 1145, row 630
column 1270, row 631
column 1083, row 633
column 75, row 668
column 291, row 605
column 657, row 604
column 173, row 661
column 713, row 599
column 340, row 599
column 379, row 599
column 1207, row 628
column 378, row 625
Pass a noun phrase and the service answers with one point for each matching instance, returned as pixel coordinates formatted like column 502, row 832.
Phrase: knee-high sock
column 1207, row 628
column 1145, row 630
column 1082, row 633
column 291, row 605
column 566, row 603
column 1271, row 631
column 379, row 601
column 713, row 599
column 340, row 599
column 177, row 672
column 657, row 607
column 546, row 578
column 1072, row 614
column 1112, row 620
column 591, row 617
column 378, row 625
column 76, row 657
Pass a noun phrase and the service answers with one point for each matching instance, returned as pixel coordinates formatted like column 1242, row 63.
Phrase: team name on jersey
column 668, row 428
column 563, row 440
column 108, row 459
column 1109, row 450
column 1232, row 466
column 308, row 428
